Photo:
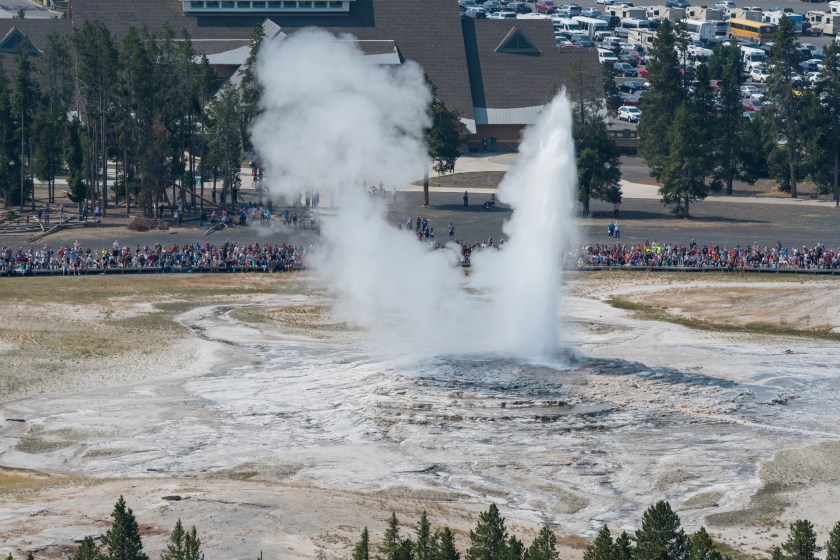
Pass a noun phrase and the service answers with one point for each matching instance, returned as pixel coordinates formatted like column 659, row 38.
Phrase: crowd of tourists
column 192, row 257
column 693, row 255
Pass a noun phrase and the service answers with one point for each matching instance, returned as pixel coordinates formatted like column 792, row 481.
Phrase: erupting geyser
column 335, row 122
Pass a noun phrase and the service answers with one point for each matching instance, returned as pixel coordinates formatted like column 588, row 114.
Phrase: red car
column 643, row 73
column 546, row 6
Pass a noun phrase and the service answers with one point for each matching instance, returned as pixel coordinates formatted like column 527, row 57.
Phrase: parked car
column 571, row 9
column 759, row 74
column 815, row 78
column 491, row 6
column 606, row 56
column 463, row 5
column 520, row 7
column 753, row 9
column 476, row 12
column 629, row 59
column 546, row 6
column 629, row 113
column 643, row 73
column 676, row 4
column 725, row 5
column 748, row 90
column 632, row 86
column 628, row 100
column 582, row 41
column 624, row 69
column 605, row 2
column 591, row 12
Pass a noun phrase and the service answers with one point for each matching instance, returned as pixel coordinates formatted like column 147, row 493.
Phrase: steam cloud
column 333, row 121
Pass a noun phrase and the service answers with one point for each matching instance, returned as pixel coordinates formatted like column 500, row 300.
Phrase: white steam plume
column 332, row 121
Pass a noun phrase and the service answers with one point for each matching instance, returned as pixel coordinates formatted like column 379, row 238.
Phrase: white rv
column 699, row 30
column 591, row 25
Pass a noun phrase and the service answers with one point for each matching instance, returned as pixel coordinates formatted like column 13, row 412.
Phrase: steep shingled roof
column 427, row 32
column 518, row 78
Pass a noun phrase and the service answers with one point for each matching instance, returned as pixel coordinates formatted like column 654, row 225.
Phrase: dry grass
column 651, row 312
column 18, row 481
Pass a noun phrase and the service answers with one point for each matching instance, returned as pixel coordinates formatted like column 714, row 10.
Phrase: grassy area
column 16, row 481
column 650, row 312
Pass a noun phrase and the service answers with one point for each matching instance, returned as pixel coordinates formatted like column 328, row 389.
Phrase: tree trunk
column 125, row 180
column 104, row 170
column 22, row 117
column 792, row 166
column 426, row 189
column 686, row 209
column 836, row 182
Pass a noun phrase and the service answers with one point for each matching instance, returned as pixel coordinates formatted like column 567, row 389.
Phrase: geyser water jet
column 335, row 122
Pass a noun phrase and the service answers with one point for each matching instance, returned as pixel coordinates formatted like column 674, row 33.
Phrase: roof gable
column 515, row 42
column 11, row 42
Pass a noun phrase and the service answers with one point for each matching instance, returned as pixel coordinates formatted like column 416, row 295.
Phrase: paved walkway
column 474, row 163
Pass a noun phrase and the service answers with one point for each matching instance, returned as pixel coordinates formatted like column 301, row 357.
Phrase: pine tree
column 443, row 546
column 88, row 550
column 544, row 546
column 183, row 545
column 660, row 103
column 787, row 100
column 9, row 182
column 122, row 541
column 26, row 101
column 823, row 144
column 832, row 547
column 192, row 546
column 623, row 548
column 489, row 539
column 423, row 541
column 602, row 547
column 514, row 550
column 661, row 537
column 30, row 556
column 802, row 541
column 703, row 548
column 390, row 547
column 598, row 162
column 362, row 550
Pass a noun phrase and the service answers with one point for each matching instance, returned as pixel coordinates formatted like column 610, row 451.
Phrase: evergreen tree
column 192, row 546
column 823, row 145
column 26, row 100
column 423, row 541
column 443, row 138
column 661, row 537
column 787, row 106
column 9, row 178
column 684, row 172
column 598, row 162
column 390, row 547
column 489, row 539
column 56, row 83
column 659, row 105
column 250, row 89
column 362, row 550
column 443, row 546
column 514, row 550
column 703, row 548
column 832, row 547
column 802, row 541
column 183, row 545
column 732, row 162
column 97, row 62
column 77, row 189
column 623, row 548
column 544, row 547
column 223, row 138
column 122, row 541
column 88, row 550
column 602, row 547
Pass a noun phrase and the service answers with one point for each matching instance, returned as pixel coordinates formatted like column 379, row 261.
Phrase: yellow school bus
column 753, row 30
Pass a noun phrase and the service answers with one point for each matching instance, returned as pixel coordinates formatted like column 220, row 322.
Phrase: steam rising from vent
column 332, row 121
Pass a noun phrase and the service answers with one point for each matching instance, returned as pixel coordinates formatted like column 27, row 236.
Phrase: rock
column 173, row 498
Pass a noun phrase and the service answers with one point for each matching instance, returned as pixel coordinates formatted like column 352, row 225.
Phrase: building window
column 228, row 4
column 319, row 5
column 197, row 4
column 336, row 5
column 274, row 5
column 212, row 4
column 305, row 5
column 290, row 5
column 258, row 5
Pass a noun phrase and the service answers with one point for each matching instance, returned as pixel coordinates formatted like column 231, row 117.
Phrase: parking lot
column 31, row 10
